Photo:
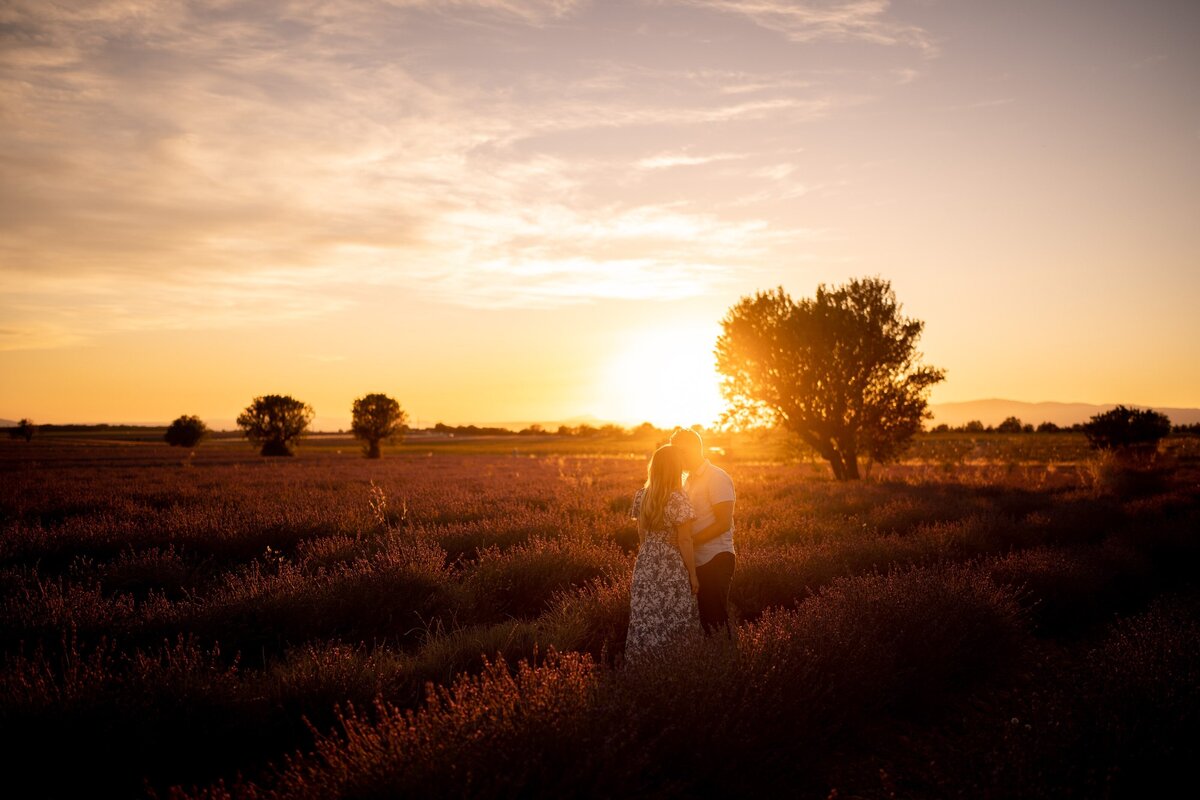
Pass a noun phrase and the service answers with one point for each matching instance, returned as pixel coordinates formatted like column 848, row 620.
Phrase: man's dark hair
column 687, row 438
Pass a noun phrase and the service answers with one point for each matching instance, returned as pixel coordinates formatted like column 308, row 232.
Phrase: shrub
column 390, row 595
column 1145, row 685
column 1127, row 430
column 907, row 637
column 311, row 679
column 22, row 430
column 444, row 655
column 120, row 715
column 1063, row 586
column 593, row 619
column 185, row 431
column 1124, row 472
column 494, row 734
column 521, row 582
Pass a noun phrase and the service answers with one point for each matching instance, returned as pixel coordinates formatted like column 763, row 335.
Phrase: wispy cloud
column 838, row 20
column 668, row 160
column 530, row 11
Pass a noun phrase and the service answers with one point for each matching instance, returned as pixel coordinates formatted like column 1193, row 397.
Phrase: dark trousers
column 713, row 598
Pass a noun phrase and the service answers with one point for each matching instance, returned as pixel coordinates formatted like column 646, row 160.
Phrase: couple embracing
column 686, row 556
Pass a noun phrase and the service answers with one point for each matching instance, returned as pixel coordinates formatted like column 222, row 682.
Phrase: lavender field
column 1002, row 617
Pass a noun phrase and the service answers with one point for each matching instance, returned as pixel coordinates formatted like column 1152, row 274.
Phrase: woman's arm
column 636, row 513
column 683, row 533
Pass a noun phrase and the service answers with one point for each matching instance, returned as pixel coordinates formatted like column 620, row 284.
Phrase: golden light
column 665, row 376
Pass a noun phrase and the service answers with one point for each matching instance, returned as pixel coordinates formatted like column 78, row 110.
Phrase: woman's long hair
column 663, row 476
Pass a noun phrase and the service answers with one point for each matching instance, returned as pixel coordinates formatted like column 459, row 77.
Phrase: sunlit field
column 996, row 616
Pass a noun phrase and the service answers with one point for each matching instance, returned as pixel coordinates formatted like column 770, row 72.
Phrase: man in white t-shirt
column 711, row 491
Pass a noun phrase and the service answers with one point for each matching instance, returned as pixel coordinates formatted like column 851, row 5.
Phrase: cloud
column 555, row 255
column 65, row 311
column 837, row 20
column 668, row 160
column 38, row 336
column 205, row 165
column 530, row 11
column 526, row 283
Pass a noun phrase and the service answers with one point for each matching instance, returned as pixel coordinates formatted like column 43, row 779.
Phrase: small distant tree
column 840, row 370
column 23, row 430
column 186, row 431
column 377, row 418
column 1047, row 427
column 974, row 426
column 1010, row 425
column 1127, row 431
column 645, row 431
column 275, row 422
column 941, row 427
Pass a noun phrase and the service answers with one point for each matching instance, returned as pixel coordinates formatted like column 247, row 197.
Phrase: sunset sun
column 664, row 376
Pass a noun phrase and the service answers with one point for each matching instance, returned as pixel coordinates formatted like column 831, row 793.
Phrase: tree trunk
column 846, row 448
column 850, row 460
column 845, row 465
column 830, row 454
column 835, row 462
column 851, row 468
column 373, row 449
column 276, row 447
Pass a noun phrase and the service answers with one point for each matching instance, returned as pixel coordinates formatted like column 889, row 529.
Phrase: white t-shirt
column 706, row 487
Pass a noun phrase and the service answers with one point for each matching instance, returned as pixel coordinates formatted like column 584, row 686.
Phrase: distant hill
column 8, row 423
column 993, row 412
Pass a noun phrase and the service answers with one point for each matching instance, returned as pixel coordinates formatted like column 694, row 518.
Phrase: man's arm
column 724, row 520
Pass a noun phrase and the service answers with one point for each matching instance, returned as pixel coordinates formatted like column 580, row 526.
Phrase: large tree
column 840, row 370
column 377, row 418
column 275, row 421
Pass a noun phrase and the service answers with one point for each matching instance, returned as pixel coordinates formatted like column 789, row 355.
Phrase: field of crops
column 996, row 617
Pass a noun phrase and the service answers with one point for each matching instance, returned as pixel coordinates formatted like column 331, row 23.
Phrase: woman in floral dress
column 663, row 593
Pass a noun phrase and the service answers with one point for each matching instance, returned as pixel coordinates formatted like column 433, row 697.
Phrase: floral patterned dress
column 662, row 606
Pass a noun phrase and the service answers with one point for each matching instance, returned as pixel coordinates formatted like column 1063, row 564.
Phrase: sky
column 522, row 210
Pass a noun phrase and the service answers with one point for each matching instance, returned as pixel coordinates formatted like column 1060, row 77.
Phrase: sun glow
column 664, row 376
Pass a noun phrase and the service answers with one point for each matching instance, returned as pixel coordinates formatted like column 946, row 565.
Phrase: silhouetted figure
column 710, row 490
column 662, row 594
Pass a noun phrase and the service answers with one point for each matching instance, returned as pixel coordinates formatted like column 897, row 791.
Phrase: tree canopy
column 840, row 370
column 185, row 431
column 1010, row 425
column 275, row 422
column 377, row 418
